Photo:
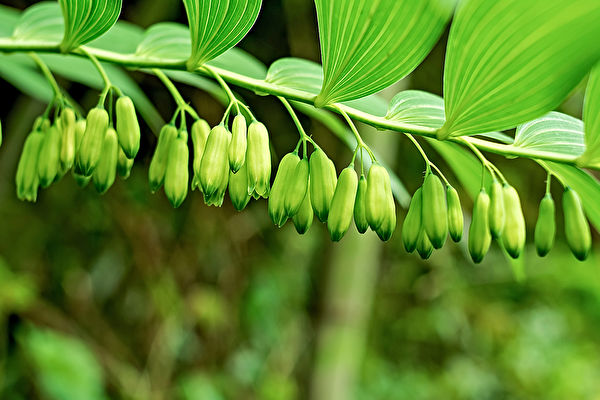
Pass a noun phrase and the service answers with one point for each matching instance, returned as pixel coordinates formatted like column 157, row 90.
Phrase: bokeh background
column 122, row 297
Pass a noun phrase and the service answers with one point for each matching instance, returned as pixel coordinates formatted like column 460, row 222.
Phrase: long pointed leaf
column 367, row 45
column 218, row 25
column 591, row 118
column 511, row 61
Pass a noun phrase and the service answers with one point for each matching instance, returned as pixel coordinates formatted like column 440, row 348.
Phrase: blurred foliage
column 119, row 296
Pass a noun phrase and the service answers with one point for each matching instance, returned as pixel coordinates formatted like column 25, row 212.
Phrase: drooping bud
column 90, row 149
column 239, row 143
column 276, row 202
column 81, row 180
column 177, row 174
column 128, row 128
column 341, row 210
column 323, row 179
column 80, row 126
column 214, row 168
column 304, row 217
column 67, row 142
column 27, row 179
column 238, row 188
column 158, row 165
column 200, row 131
column 105, row 172
column 497, row 214
column 480, row 237
column 387, row 228
column 124, row 164
column 411, row 229
column 577, row 230
column 258, row 159
column 435, row 211
column 455, row 214
column 49, row 158
column 513, row 234
column 424, row 246
column 545, row 227
column 360, row 206
column 296, row 188
column 378, row 192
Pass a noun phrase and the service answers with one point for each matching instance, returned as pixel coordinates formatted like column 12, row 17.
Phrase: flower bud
column 424, row 246
column 238, row 145
column 81, row 180
column 276, row 202
column 104, row 174
column 177, row 174
column 67, row 142
column 342, row 204
column 480, row 237
column 49, row 158
column 378, row 191
column 296, row 188
column 455, row 214
column 360, row 206
column 91, row 143
column 200, row 131
column 128, row 128
column 238, row 188
column 304, row 217
column 577, row 230
column 214, row 168
column 497, row 214
column 387, row 228
column 435, row 210
column 258, row 159
column 158, row 165
column 27, row 179
column 411, row 229
column 80, row 126
column 545, row 227
column 124, row 164
column 323, row 179
column 513, row 234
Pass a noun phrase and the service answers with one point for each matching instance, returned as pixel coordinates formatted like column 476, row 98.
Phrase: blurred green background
column 122, row 297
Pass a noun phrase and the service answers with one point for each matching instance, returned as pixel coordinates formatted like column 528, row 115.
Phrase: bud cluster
column 91, row 146
column 238, row 160
column 434, row 212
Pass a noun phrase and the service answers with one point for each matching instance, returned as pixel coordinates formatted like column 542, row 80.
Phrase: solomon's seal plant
column 498, row 76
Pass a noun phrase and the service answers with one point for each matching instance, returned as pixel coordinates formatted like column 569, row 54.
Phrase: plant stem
column 359, row 139
column 303, row 136
column 181, row 104
column 47, row 74
column 98, row 67
column 225, row 77
column 224, row 85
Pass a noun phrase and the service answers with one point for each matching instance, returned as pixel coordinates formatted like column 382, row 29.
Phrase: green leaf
column 511, row 61
column 218, row 25
column 367, row 45
column 591, row 119
column 165, row 41
column 554, row 132
column 584, row 184
column 417, row 108
column 85, row 20
column 42, row 22
column 123, row 37
column 240, row 62
column 296, row 73
column 307, row 76
column 9, row 17
column 65, row 367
